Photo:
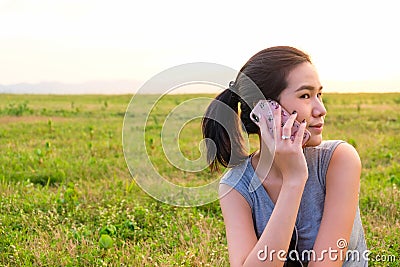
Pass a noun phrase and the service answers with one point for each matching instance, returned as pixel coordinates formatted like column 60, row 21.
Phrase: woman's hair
column 263, row 76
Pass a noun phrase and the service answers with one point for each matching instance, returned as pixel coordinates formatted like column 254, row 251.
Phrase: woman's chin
column 315, row 140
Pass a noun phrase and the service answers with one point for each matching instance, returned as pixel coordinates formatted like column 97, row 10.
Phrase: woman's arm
column 341, row 201
column 244, row 249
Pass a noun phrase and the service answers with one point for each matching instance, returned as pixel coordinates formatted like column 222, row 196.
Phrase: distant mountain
column 92, row 87
column 100, row 87
column 132, row 86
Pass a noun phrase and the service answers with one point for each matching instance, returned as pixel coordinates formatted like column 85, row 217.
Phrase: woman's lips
column 316, row 128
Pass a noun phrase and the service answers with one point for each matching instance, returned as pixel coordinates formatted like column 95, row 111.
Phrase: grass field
column 67, row 197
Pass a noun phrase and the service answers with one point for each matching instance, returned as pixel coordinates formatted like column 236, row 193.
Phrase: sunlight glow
column 351, row 43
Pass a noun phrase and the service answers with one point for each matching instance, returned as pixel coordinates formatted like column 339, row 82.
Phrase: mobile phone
column 266, row 108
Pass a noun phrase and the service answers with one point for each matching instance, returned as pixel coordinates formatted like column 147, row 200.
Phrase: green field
column 67, row 197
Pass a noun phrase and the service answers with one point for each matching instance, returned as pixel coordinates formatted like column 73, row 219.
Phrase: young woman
column 297, row 206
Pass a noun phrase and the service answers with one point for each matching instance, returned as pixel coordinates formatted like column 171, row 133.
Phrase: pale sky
column 354, row 44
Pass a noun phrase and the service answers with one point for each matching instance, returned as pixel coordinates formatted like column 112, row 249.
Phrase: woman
column 302, row 207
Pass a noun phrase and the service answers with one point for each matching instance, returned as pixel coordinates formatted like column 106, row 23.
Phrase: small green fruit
column 105, row 241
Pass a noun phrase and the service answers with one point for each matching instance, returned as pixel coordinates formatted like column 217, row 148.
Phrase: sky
column 352, row 43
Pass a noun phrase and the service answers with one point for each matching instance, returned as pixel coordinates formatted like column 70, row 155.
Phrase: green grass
column 68, row 199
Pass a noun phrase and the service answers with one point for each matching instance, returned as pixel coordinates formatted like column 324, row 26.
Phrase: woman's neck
column 264, row 166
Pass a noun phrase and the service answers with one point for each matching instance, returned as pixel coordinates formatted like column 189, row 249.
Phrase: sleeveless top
column 244, row 179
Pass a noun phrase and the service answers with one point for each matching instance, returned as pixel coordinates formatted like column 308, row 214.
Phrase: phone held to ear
column 265, row 108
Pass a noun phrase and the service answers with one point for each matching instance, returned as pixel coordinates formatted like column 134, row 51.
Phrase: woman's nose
column 319, row 109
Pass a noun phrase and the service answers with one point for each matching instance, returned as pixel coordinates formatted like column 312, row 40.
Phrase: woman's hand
column 288, row 157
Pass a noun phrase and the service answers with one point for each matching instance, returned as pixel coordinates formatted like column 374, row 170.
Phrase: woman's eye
column 320, row 95
column 305, row 96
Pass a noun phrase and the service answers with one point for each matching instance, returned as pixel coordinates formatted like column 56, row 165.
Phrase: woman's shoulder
column 242, row 178
column 331, row 149
column 319, row 158
column 329, row 144
column 329, row 156
column 323, row 151
column 345, row 156
column 236, row 174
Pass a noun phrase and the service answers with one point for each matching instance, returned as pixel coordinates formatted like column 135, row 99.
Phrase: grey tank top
column 243, row 179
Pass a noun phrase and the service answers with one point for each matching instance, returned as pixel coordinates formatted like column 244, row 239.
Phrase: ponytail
column 223, row 137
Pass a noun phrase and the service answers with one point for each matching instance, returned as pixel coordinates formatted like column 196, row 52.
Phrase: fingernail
column 294, row 112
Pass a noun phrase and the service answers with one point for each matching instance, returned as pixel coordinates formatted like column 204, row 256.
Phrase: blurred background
column 113, row 47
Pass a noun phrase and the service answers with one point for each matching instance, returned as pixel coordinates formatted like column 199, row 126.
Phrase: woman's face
column 304, row 95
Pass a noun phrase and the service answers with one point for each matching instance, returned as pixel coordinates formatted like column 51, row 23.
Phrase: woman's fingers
column 276, row 112
column 287, row 128
column 298, row 140
column 266, row 135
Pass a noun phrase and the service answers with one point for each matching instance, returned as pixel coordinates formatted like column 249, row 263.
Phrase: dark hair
column 263, row 76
